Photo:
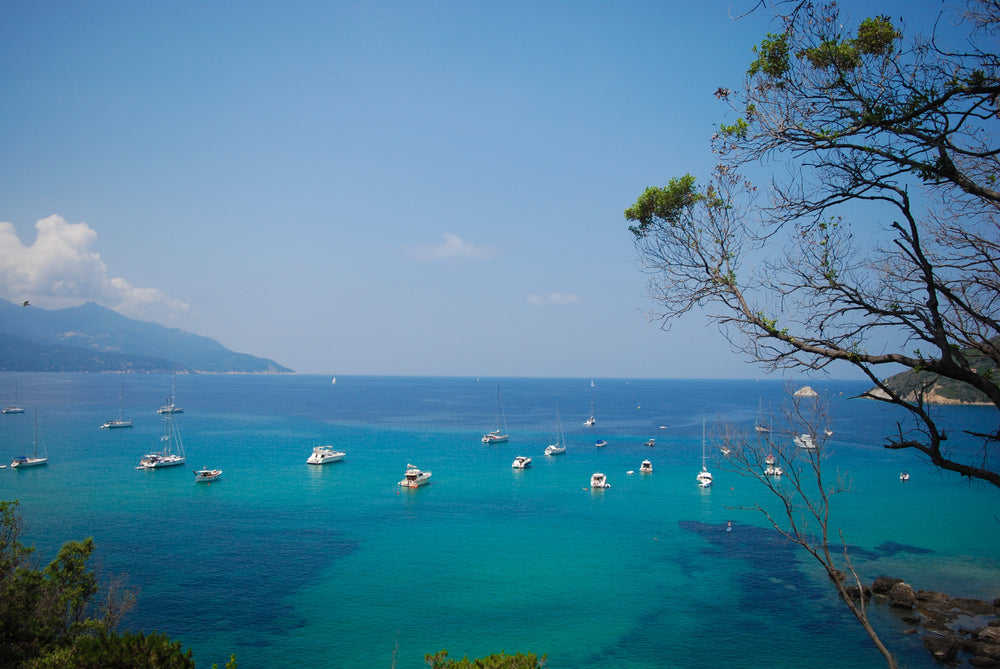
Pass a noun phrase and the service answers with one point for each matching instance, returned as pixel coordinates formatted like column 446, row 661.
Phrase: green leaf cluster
column 666, row 204
column 496, row 661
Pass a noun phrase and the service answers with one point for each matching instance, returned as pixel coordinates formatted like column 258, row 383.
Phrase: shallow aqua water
column 336, row 566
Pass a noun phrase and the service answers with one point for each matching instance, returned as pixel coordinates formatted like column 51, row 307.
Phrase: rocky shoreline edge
column 953, row 626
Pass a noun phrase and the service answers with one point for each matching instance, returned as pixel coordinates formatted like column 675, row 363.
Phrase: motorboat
column 33, row 460
column 521, row 462
column 650, row 442
column 773, row 470
column 769, row 460
column 904, row 476
column 499, row 435
column 646, row 467
column 324, row 454
column 414, row 478
column 599, row 480
column 206, row 475
column 805, row 441
column 600, row 443
column 171, row 453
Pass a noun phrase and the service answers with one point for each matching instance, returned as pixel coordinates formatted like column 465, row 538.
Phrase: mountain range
column 92, row 338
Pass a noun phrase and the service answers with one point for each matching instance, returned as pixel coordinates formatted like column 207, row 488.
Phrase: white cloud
column 61, row 269
column 452, row 247
column 553, row 299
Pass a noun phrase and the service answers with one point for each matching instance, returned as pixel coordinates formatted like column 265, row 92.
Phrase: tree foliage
column 853, row 214
column 60, row 617
column 496, row 661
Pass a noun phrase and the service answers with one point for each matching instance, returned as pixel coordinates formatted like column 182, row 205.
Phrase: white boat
column 499, row 435
column 761, row 428
column 650, row 442
column 521, row 462
column 590, row 421
column 170, row 406
column 769, row 460
column 324, row 454
column 600, row 443
column 704, row 477
column 121, row 421
column 773, row 470
column 414, row 478
column 904, row 476
column 171, row 451
column 599, row 480
column 805, row 441
column 559, row 447
column 13, row 408
column 206, row 475
column 646, row 467
column 33, row 460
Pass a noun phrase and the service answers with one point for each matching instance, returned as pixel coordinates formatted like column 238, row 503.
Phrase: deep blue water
column 285, row 564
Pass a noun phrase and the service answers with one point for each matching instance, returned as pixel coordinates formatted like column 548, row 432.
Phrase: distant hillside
column 941, row 391
column 91, row 338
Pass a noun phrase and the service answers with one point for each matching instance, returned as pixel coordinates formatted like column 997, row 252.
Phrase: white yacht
column 521, row 462
column 171, row 451
column 206, row 475
column 34, row 460
column 121, row 421
column 904, row 476
column 805, row 441
column 559, row 447
column 414, row 478
column 646, row 467
column 650, row 442
column 324, row 454
column 773, row 470
column 170, row 406
column 599, row 480
column 13, row 408
column 704, row 476
column 499, row 435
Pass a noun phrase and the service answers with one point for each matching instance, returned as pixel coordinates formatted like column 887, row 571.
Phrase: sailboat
column 499, row 435
column 170, row 407
column 590, row 421
column 762, row 428
column 168, row 455
column 704, row 476
column 34, row 460
column 559, row 447
column 120, row 421
column 13, row 408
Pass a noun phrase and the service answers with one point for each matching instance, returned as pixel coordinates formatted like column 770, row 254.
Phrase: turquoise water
column 337, row 566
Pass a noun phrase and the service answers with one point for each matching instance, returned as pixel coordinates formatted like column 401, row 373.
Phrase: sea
column 286, row 564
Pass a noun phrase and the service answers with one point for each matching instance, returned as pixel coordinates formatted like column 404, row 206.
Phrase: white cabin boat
column 206, row 475
column 805, row 441
column 600, row 443
column 904, row 476
column 599, row 480
column 324, row 454
column 521, row 462
column 646, row 467
column 414, row 478
column 650, row 443
column 773, row 470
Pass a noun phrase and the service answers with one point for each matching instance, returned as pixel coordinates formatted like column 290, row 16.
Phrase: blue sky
column 365, row 188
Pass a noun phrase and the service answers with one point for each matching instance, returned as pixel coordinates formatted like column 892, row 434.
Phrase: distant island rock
column 936, row 389
column 92, row 338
